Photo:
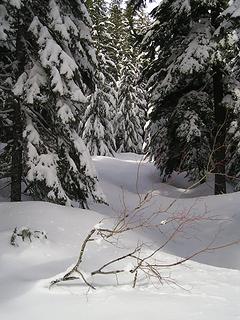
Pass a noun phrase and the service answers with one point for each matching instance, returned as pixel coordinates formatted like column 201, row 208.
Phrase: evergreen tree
column 12, row 59
column 230, row 29
column 53, row 69
column 116, row 36
column 130, row 119
column 138, row 4
column 5, row 86
column 98, row 125
column 131, row 116
column 186, row 80
column 118, row 62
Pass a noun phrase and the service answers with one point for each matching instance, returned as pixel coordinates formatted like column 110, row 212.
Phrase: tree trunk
column 219, row 113
column 16, row 169
column 17, row 126
column 220, row 132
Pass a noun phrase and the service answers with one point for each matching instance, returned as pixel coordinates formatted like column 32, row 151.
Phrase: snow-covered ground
column 206, row 288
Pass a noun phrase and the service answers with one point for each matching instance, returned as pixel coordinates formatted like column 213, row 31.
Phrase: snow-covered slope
column 127, row 178
column 195, row 291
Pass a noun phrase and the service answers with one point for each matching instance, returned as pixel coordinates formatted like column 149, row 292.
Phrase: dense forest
column 85, row 78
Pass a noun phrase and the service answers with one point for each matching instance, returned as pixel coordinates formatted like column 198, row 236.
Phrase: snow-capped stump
column 24, row 234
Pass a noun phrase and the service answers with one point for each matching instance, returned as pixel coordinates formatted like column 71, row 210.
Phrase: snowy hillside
column 191, row 291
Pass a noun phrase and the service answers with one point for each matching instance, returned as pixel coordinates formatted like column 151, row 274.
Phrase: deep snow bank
column 201, row 292
column 195, row 291
column 128, row 177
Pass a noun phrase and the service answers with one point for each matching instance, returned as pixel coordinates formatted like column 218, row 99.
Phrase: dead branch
column 128, row 255
column 142, row 263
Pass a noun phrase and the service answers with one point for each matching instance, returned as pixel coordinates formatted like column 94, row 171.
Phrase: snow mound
column 195, row 291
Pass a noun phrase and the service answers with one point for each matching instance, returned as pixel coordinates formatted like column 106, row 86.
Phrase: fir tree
column 5, row 86
column 98, row 125
column 131, row 116
column 130, row 119
column 98, row 131
column 116, row 36
column 186, row 84
column 118, row 61
column 54, row 64
column 230, row 29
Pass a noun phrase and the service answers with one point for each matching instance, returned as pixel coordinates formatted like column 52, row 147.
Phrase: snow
column 31, row 132
column 16, row 3
column 191, row 126
column 98, row 226
column 76, row 92
column 4, row 24
column 65, row 112
column 207, row 288
column 57, row 20
column 233, row 9
column 56, row 81
column 181, row 6
column 199, row 48
column 152, row 5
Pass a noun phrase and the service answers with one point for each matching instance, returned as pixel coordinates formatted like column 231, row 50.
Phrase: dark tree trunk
column 17, row 147
column 220, row 132
column 219, row 113
column 16, row 167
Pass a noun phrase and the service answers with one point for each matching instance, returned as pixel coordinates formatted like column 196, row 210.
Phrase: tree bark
column 220, row 132
column 17, row 134
column 220, row 113
column 16, row 166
